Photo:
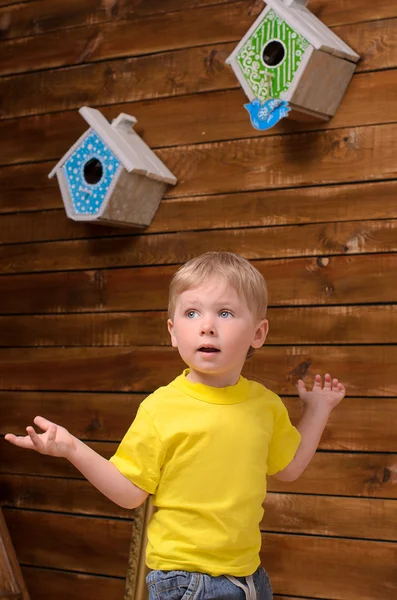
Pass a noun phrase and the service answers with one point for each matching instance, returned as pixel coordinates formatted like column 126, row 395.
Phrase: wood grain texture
column 350, row 155
column 206, row 117
column 62, row 585
column 175, row 30
column 89, row 545
column 368, row 475
column 82, row 308
column 115, row 39
column 35, row 18
column 288, row 326
column 365, row 370
column 83, row 586
column 334, row 280
column 359, row 577
column 74, row 496
column 331, row 516
column 295, row 513
column 324, row 567
column 104, row 417
column 325, row 239
column 173, row 73
column 251, row 209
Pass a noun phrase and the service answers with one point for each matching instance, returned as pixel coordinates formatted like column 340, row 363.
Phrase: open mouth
column 208, row 350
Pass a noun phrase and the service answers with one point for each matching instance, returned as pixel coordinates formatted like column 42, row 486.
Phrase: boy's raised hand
column 322, row 396
column 55, row 441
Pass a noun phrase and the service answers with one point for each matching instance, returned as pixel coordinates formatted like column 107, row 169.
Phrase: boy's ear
column 260, row 334
column 170, row 326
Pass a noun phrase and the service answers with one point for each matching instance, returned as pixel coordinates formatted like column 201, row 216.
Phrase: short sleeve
column 284, row 442
column 140, row 454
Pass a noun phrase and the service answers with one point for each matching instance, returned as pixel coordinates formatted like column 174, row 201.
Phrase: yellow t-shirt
column 204, row 453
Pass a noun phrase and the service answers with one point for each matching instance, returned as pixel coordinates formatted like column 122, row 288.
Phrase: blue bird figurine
column 267, row 114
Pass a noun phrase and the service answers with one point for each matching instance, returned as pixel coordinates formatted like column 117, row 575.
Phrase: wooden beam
column 12, row 585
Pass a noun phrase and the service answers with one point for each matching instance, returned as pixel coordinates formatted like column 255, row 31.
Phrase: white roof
column 317, row 34
column 125, row 143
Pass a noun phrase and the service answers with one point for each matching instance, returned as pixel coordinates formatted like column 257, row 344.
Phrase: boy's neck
column 217, row 380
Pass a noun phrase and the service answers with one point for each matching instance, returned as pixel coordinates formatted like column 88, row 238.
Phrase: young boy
column 204, row 444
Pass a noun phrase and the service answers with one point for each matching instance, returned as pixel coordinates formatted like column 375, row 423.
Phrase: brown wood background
column 82, row 319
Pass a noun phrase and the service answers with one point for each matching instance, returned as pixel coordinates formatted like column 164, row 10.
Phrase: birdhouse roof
column 307, row 24
column 125, row 143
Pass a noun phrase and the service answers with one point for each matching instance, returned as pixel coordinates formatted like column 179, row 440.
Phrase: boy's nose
column 207, row 328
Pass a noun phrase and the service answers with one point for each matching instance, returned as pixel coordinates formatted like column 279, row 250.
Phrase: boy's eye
column 225, row 313
column 191, row 314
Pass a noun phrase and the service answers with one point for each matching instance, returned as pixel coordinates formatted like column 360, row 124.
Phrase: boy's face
column 213, row 329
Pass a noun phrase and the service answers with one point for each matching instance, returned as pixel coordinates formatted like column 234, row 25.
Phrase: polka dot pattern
column 87, row 198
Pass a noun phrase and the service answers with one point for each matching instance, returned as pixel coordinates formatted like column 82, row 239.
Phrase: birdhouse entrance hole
column 273, row 53
column 93, row 171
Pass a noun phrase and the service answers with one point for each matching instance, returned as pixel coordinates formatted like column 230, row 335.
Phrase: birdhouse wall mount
column 290, row 55
column 110, row 176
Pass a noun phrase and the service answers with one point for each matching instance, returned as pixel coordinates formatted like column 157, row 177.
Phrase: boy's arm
column 318, row 404
column 57, row 441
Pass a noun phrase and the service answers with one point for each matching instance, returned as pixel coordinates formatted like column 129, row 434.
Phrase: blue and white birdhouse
column 289, row 55
column 110, row 175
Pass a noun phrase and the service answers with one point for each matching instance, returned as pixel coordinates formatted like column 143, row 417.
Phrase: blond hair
column 234, row 269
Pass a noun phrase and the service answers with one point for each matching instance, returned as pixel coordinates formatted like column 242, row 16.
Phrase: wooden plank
column 172, row 73
column 325, row 239
column 175, row 30
column 61, row 585
column 108, row 329
column 312, row 325
column 206, row 117
column 52, row 583
column 90, row 545
column 32, row 18
column 18, row 461
column 344, row 155
column 331, row 516
column 35, row 17
column 296, row 513
column 251, row 209
column 292, row 282
column 338, row 12
column 365, row 370
column 168, row 74
column 350, row 569
column 132, row 37
column 341, row 156
column 343, row 474
column 372, row 432
column 11, row 579
column 24, row 185
column 330, row 473
column 104, row 417
column 327, row 567
column 89, row 416
column 9, row 2
column 75, row 496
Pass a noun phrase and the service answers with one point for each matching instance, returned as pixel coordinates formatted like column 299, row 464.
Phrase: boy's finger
column 52, row 433
column 317, row 381
column 36, row 441
column 327, row 381
column 19, row 440
column 43, row 423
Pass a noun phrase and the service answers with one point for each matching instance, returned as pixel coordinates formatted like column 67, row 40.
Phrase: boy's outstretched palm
column 55, row 441
column 327, row 396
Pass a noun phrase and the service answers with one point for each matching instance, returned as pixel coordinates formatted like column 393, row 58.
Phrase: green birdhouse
column 289, row 54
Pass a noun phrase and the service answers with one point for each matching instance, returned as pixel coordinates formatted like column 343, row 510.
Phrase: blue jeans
column 183, row 585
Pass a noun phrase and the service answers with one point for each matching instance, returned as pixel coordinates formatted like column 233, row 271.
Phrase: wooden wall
column 83, row 335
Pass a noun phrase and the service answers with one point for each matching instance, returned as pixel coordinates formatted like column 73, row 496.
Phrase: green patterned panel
column 249, row 59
